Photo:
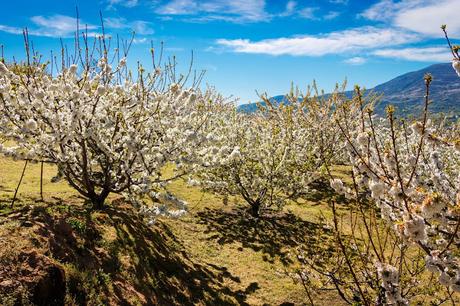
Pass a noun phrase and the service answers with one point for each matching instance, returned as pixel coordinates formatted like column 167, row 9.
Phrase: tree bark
column 98, row 202
column 255, row 209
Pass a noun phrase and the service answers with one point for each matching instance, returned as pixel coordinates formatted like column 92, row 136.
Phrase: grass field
column 215, row 255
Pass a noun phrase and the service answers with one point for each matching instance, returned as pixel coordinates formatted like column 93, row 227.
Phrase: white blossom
column 31, row 124
column 456, row 66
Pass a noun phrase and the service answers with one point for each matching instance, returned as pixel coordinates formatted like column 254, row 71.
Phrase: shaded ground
column 215, row 255
column 274, row 235
column 260, row 250
column 108, row 257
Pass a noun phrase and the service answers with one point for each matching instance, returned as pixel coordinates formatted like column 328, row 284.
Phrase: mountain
column 252, row 107
column 406, row 92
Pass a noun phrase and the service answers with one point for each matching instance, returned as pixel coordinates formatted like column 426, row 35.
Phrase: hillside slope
column 406, row 92
column 60, row 252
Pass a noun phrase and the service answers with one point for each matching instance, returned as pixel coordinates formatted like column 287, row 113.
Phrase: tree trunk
column 99, row 199
column 98, row 202
column 255, row 209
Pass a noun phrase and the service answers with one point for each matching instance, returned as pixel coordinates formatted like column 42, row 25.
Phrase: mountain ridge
column 406, row 92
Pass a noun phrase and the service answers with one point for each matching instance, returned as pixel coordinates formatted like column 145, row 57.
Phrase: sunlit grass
column 249, row 262
column 29, row 190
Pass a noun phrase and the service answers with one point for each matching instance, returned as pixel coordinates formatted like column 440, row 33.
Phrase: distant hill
column 252, row 107
column 406, row 92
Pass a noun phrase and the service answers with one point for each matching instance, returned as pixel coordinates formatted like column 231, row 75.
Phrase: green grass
column 215, row 255
column 10, row 172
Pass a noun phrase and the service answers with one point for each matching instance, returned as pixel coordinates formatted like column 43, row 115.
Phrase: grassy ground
column 215, row 255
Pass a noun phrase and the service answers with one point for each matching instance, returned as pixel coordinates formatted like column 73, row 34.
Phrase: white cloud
column 65, row 26
column 308, row 12
column 11, row 30
column 293, row 9
column 427, row 54
column 139, row 26
column 353, row 40
column 233, row 11
column 238, row 11
column 386, row 10
column 52, row 26
column 420, row 16
column 344, row 2
column 290, row 8
column 125, row 3
column 357, row 60
column 179, row 7
column 115, row 23
column 331, row 15
column 56, row 25
column 142, row 40
column 428, row 19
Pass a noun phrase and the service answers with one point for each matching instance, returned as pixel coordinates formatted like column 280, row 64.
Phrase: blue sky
column 261, row 45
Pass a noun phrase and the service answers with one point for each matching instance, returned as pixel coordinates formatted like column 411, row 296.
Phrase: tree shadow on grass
column 320, row 190
column 179, row 281
column 136, row 263
column 274, row 235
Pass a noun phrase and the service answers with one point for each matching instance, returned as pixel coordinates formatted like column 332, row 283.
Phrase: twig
column 19, row 184
column 41, row 181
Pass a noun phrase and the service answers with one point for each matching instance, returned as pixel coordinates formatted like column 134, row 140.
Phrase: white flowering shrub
column 105, row 131
column 359, row 239
column 269, row 157
column 454, row 50
column 365, row 263
column 412, row 173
